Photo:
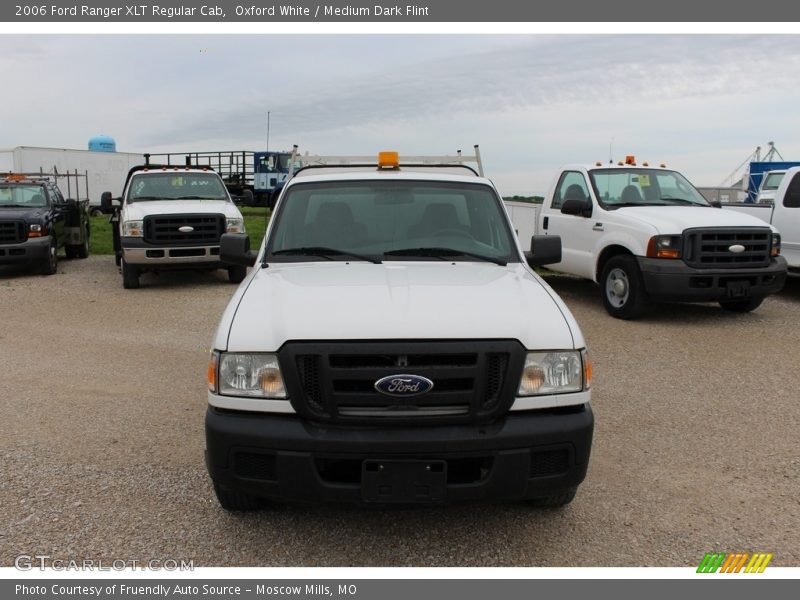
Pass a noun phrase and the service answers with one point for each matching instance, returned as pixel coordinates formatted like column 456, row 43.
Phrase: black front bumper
column 32, row 250
column 674, row 280
column 524, row 455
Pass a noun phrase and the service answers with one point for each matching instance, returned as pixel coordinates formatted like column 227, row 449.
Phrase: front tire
column 130, row 276
column 50, row 264
column 237, row 501
column 554, row 500
column 741, row 306
column 236, row 274
column 622, row 288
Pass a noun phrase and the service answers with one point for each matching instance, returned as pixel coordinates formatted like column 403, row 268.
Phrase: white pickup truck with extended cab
column 646, row 233
column 393, row 344
column 783, row 212
column 172, row 218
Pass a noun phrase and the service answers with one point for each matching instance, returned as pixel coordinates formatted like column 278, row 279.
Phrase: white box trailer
column 106, row 171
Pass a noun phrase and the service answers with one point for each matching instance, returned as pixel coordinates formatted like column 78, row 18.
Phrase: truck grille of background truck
column 710, row 248
column 164, row 230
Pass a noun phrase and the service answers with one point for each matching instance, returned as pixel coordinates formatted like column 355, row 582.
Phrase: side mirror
column 582, row 208
column 105, row 202
column 545, row 250
column 234, row 248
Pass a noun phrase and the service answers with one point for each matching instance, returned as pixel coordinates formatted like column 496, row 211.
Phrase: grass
column 100, row 241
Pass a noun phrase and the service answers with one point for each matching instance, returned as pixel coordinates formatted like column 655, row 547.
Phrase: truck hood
column 395, row 300
column 674, row 219
column 136, row 211
column 22, row 214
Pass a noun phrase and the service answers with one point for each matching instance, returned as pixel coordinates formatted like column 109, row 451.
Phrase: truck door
column 786, row 217
column 577, row 237
column 59, row 211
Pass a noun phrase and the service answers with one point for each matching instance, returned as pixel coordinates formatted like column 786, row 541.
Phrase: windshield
column 616, row 188
column 25, row 196
column 772, row 181
column 391, row 220
column 176, row 186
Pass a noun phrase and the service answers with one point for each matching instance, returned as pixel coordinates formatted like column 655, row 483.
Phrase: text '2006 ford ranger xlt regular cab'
column 394, row 345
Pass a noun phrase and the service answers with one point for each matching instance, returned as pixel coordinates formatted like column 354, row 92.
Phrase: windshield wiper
column 683, row 201
column 325, row 252
column 612, row 206
column 197, row 198
column 443, row 253
column 18, row 206
column 148, row 198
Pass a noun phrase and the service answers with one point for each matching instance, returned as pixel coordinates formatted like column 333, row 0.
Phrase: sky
column 700, row 103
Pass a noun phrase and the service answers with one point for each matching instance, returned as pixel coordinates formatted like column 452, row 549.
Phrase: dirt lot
column 101, row 444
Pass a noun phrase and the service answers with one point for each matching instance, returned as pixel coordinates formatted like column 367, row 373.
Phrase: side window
column 792, row 197
column 571, row 186
column 55, row 195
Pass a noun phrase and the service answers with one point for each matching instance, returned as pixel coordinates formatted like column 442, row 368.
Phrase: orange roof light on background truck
column 388, row 160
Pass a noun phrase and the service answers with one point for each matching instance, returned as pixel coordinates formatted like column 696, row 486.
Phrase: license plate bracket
column 738, row 289
column 405, row 481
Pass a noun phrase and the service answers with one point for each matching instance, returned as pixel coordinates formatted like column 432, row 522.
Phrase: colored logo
column 404, row 385
column 739, row 562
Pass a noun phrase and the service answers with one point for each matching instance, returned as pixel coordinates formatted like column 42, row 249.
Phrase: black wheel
column 50, row 264
column 236, row 273
column 237, row 501
column 248, row 199
column 130, row 276
column 741, row 306
column 96, row 212
column 622, row 288
column 555, row 500
column 79, row 250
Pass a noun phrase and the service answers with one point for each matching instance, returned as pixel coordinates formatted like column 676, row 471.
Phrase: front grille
column 710, row 248
column 335, row 381
column 164, row 230
column 12, row 232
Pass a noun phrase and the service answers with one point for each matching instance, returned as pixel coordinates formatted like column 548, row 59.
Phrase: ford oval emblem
column 403, row 385
column 736, row 248
column 186, row 229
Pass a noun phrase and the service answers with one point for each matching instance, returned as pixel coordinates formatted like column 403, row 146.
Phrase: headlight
column 133, row 228
column 234, row 225
column 255, row 375
column 36, row 230
column 776, row 244
column 555, row 373
column 664, row 246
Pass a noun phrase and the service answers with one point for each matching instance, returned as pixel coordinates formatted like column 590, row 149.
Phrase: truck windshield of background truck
column 176, row 186
column 22, row 196
column 616, row 188
column 772, row 180
column 391, row 220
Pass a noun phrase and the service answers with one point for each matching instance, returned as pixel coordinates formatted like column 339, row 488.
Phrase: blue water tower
column 102, row 143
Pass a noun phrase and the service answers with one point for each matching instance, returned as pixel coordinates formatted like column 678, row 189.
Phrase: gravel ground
column 101, row 444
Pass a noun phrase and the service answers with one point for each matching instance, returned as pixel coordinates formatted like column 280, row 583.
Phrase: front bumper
column 525, row 455
column 674, row 280
column 138, row 252
column 31, row 250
